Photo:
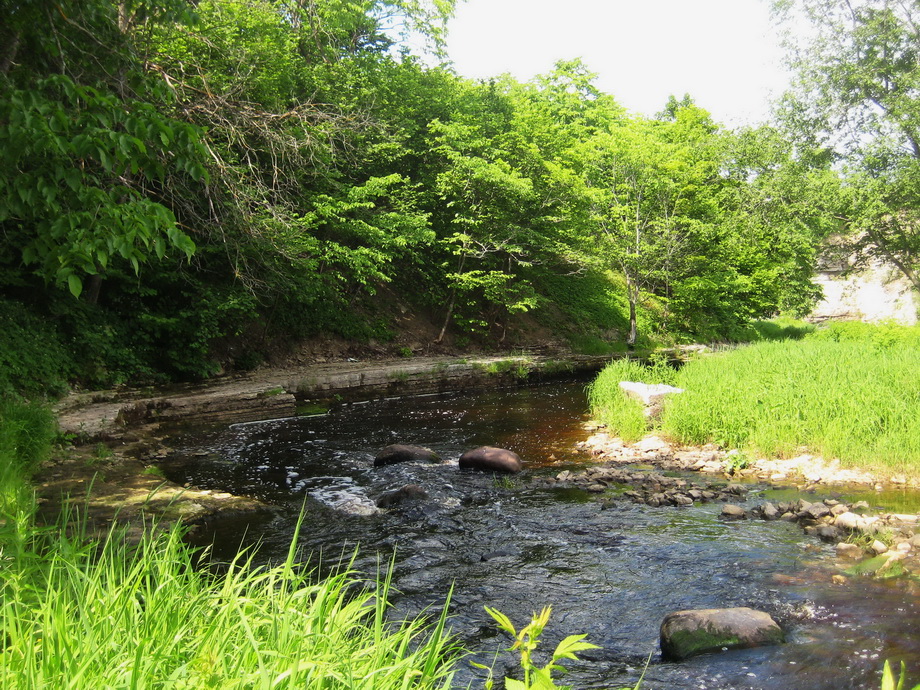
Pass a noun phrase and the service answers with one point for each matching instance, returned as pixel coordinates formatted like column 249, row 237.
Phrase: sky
column 724, row 53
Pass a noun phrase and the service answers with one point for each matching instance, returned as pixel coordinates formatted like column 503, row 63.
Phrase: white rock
column 879, row 547
column 648, row 393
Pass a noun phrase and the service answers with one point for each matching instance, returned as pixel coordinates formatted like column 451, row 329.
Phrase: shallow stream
column 608, row 567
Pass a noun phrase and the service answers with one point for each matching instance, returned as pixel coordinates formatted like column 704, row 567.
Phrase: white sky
column 724, row 53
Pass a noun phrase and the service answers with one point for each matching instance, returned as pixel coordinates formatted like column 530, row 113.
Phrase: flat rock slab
column 688, row 633
column 648, row 393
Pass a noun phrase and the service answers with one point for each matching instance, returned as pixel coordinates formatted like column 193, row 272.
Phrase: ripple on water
column 612, row 573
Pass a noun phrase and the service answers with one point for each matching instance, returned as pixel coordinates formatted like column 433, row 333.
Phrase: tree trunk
column 632, row 294
column 450, row 312
column 8, row 52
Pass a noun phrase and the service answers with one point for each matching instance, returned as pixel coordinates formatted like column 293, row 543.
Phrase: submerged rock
column 409, row 492
column 403, row 453
column 491, row 459
column 687, row 633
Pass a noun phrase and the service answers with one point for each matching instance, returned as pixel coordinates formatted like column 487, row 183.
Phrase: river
column 609, row 568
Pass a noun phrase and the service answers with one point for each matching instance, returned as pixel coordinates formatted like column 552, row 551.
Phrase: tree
column 858, row 96
column 90, row 149
column 645, row 183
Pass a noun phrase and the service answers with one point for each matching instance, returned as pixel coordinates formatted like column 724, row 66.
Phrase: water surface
column 609, row 568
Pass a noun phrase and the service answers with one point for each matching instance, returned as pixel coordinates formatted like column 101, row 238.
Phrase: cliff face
column 877, row 293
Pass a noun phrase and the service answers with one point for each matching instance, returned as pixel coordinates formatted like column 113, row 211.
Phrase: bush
column 33, row 358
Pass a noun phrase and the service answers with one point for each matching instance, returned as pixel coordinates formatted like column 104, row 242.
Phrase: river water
column 609, row 568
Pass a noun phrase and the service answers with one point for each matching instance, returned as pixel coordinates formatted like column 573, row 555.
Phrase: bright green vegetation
column 610, row 405
column 526, row 641
column 202, row 185
column 849, row 391
column 85, row 614
column 888, row 679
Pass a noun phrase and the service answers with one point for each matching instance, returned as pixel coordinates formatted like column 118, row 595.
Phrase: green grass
column 609, row 404
column 118, row 615
column 851, row 391
column 781, row 328
column 111, row 614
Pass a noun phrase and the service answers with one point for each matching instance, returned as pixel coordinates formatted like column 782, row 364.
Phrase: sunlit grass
column 610, row 405
column 121, row 615
column 850, row 392
column 114, row 614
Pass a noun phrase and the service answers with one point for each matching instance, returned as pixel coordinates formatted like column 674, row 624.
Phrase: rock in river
column 491, row 459
column 402, row 453
column 409, row 492
column 688, row 633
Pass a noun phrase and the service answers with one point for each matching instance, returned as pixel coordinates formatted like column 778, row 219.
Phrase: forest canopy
column 187, row 186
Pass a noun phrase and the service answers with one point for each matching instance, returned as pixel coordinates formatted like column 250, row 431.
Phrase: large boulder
column 491, row 459
column 688, row 633
column 403, row 453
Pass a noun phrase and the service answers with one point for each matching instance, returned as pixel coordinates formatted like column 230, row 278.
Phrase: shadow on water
column 610, row 569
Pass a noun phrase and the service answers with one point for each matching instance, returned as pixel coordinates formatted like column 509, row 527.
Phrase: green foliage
column 76, row 167
column 275, row 627
column 888, row 679
column 33, row 357
column 881, row 336
column 855, row 99
column 26, row 435
column 526, row 641
column 849, row 400
column 271, row 166
column 782, row 328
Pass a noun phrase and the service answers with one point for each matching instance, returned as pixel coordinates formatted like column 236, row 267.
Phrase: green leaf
column 573, row 643
column 75, row 285
column 512, row 684
column 503, row 621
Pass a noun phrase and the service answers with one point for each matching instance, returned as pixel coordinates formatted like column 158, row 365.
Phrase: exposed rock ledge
column 274, row 393
column 116, row 480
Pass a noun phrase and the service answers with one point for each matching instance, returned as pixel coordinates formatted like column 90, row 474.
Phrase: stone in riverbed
column 403, row 453
column 409, row 492
column 846, row 550
column 650, row 395
column 491, row 459
column 733, row 512
column 687, row 633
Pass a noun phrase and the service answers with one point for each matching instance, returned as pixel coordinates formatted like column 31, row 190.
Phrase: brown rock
column 491, row 459
column 403, row 453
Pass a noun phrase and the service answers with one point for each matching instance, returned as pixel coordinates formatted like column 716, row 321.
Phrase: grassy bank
column 850, row 391
column 82, row 614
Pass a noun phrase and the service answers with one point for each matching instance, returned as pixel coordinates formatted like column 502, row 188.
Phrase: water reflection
column 611, row 570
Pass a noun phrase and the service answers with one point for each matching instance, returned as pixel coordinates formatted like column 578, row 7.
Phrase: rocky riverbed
column 888, row 543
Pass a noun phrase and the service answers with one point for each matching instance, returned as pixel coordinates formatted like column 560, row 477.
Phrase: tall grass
column 143, row 616
column 852, row 400
column 114, row 614
column 851, row 392
column 610, row 405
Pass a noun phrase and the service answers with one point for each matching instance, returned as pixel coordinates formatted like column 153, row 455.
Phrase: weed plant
column 856, row 399
column 120, row 615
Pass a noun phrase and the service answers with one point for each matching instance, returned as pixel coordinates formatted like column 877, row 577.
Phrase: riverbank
column 116, row 438
column 888, row 542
